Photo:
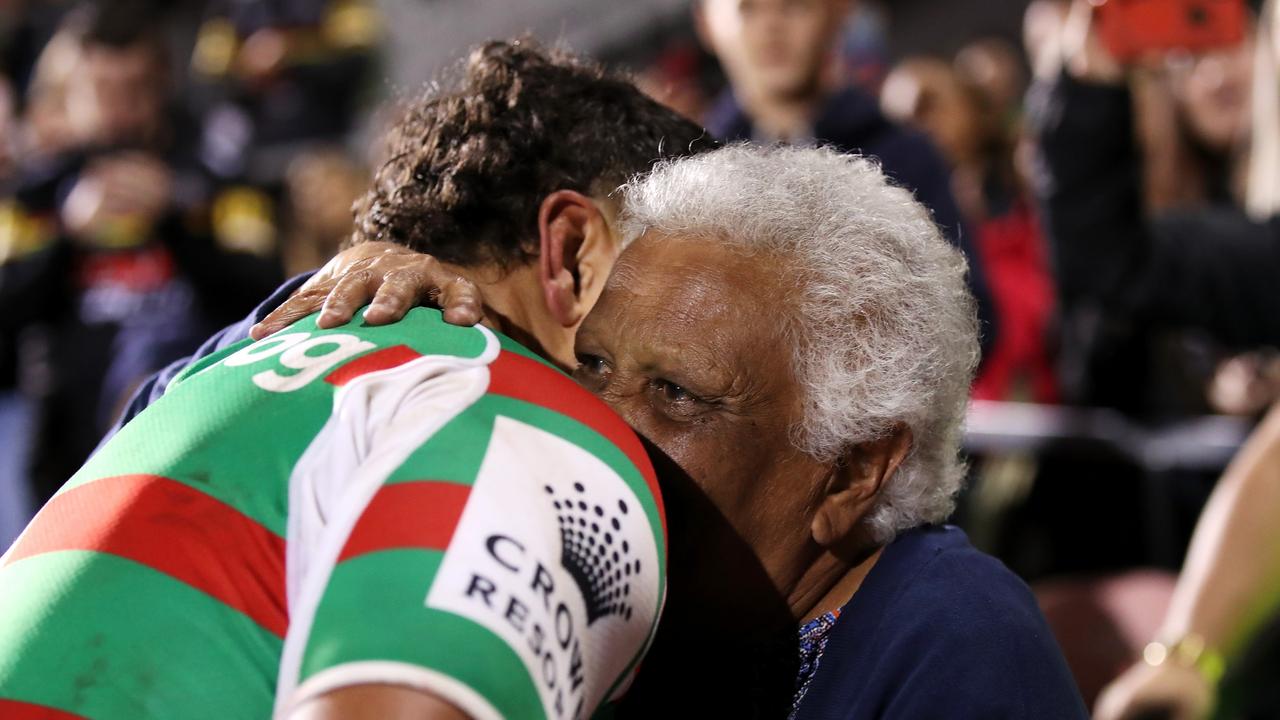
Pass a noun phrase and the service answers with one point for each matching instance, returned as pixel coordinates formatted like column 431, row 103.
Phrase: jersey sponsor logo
column 309, row 355
column 553, row 555
column 594, row 551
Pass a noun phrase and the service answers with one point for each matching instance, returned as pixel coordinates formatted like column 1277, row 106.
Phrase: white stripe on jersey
column 378, row 420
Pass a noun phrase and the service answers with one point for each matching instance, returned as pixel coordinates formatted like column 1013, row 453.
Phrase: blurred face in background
column 1212, row 90
column 117, row 95
column 927, row 93
column 993, row 66
column 772, row 49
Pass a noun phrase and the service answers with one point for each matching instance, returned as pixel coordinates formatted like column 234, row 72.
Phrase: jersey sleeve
column 482, row 550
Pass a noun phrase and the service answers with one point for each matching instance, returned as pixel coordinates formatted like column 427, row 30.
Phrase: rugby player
column 418, row 520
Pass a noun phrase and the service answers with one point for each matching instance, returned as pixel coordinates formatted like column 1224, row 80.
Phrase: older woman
column 792, row 331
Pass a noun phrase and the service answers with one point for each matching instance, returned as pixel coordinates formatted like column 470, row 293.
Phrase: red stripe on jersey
column 418, row 514
column 173, row 529
column 516, row 376
column 383, row 359
column 14, row 710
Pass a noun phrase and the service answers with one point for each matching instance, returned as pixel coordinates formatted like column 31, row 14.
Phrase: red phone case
column 1130, row 28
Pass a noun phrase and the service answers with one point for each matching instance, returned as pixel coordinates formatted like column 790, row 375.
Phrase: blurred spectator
column 996, row 69
column 1192, row 116
column 862, row 47
column 925, row 91
column 118, row 254
column 1126, row 280
column 779, row 58
column 977, row 130
column 1193, row 121
column 276, row 76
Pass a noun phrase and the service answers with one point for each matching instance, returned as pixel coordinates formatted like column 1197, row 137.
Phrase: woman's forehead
column 697, row 273
column 696, row 294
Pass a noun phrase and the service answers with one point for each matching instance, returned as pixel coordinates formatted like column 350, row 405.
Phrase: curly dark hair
column 470, row 165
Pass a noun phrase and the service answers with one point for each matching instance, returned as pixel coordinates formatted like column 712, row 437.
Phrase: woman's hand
column 390, row 278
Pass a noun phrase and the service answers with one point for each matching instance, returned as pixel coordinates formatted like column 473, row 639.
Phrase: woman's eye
column 590, row 365
column 673, row 393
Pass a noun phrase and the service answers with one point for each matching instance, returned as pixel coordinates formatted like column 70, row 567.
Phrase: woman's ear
column 854, row 485
column 577, row 250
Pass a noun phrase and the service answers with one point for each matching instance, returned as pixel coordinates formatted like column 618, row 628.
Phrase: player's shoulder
column 424, row 331
column 307, row 351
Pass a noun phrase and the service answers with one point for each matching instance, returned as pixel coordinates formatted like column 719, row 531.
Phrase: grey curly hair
column 885, row 328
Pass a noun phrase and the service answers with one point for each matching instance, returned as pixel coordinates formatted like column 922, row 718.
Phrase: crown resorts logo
column 595, row 552
column 555, row 554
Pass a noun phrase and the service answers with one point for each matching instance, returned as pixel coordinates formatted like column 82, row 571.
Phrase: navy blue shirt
column 941, row 630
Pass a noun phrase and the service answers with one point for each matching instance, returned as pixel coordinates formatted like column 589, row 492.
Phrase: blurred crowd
column 166, row 166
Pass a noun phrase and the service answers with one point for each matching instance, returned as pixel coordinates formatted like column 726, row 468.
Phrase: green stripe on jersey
column 128, row 649
column 383, row 593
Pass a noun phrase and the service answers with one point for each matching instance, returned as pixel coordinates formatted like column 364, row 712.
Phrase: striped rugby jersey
column 417, row 504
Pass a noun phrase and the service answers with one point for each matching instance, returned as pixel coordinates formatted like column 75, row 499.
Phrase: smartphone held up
column 1132, row 28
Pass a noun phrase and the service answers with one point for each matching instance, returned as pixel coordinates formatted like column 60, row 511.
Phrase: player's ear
column 577, row 249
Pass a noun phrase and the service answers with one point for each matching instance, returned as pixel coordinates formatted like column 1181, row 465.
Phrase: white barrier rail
column 1202, row 443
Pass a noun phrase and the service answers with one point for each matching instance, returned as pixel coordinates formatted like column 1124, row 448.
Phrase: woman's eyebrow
column 696, row 368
